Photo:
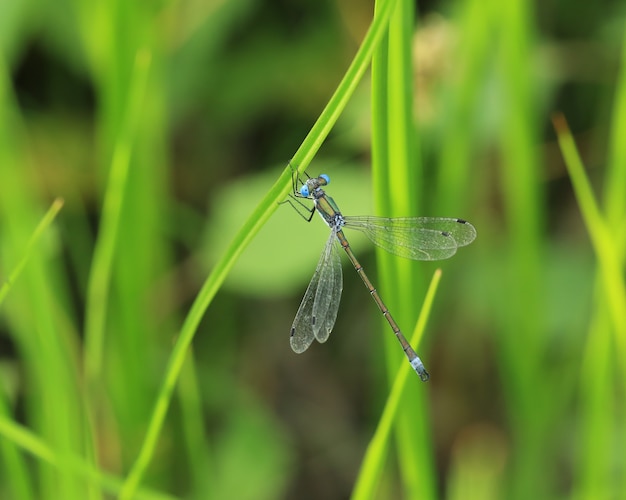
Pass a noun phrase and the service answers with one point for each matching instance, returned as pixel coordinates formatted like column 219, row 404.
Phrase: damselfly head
column 312, row 184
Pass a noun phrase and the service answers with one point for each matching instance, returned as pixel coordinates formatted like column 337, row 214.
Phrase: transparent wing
column 318, row 310
column 328, row 294
column 417, row 238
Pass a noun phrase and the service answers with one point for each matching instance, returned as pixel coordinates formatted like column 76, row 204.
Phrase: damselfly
column 417, row 238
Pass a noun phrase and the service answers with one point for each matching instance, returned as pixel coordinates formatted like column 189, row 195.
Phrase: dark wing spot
column 461, row 221
column 445, row 233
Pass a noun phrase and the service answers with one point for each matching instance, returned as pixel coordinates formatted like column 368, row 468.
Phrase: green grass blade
column 197, row 445
column 615, row 187
column 595, row 478
column 41, row 227
column 17, row 480
column 106, row 244
column 376, row 453
column 397, row 172
column 73, row 464
column 522, row 327
column 603, row 240
column 598, row 410
column 17, row 476
column 43, row 336
column 475, row 48
column 338, row 101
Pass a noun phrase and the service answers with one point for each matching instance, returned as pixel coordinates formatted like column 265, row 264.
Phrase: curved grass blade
column 376, row 453
column 45, row 222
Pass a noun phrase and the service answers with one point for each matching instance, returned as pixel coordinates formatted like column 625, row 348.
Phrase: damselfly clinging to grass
column 417, row 238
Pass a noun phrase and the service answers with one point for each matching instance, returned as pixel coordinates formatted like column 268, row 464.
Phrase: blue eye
column 326, row 178
column 304, row 191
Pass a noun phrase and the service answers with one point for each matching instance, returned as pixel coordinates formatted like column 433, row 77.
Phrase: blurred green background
column 163, row 124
